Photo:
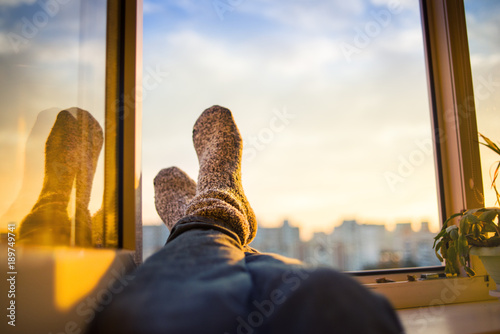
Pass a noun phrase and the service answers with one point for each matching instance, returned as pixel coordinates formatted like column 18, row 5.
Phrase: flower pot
column 490, row 257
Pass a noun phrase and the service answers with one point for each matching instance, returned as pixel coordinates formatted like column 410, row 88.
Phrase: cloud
column 313, row 15
column 15, row 3
column 150, row 7
column 282, row 58
column 407, row 4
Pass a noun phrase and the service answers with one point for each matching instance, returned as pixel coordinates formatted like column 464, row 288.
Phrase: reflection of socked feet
column 220, row 195
column 71, row 151
column 174, row 189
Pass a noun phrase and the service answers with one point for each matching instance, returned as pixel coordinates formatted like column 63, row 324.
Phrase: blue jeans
column 204, row 281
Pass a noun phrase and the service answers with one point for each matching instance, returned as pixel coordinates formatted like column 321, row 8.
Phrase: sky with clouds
column 349, row 76
column 330, row 97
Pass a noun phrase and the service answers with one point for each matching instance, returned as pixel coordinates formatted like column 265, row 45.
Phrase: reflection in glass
column 484, row 44
column 71, row 152
column 52, row 64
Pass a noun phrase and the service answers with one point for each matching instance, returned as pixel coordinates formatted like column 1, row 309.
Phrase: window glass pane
column 52, row 65
column 484, row 44
column 331, row 100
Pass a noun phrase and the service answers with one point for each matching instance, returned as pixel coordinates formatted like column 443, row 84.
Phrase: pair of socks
column 219, row 194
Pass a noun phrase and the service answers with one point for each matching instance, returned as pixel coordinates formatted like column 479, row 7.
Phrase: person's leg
column 291, row 297
column 203, row 282
column 198, row 282
column 282, row 295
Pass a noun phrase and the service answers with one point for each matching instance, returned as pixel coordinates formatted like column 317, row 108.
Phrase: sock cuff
column 198, row 222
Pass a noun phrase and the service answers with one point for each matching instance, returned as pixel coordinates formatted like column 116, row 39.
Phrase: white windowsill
column 467, row 318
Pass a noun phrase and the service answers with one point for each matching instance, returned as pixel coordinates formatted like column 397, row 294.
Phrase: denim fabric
column 204, row 281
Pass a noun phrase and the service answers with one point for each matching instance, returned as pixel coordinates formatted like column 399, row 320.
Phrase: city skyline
column 306, row 234
column 350, row 246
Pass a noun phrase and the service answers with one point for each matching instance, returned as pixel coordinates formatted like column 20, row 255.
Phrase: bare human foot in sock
column 174, row 189
column 219, row 193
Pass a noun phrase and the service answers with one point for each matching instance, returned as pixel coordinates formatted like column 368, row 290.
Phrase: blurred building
column 283, row 240
column 153, row 238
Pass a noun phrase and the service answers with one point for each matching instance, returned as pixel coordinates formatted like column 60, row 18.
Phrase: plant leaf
column 445, row 224
column 488, row 215
column 439, row 236
column 494, row 147
column 489, row 227
column 464, row 224
column 490, row 144
column 469, row 271
column 476, row 230
column 451, row 260
column 436, row 251
column 462, row 246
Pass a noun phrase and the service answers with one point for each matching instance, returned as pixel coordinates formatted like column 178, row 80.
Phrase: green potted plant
column 477, row 233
